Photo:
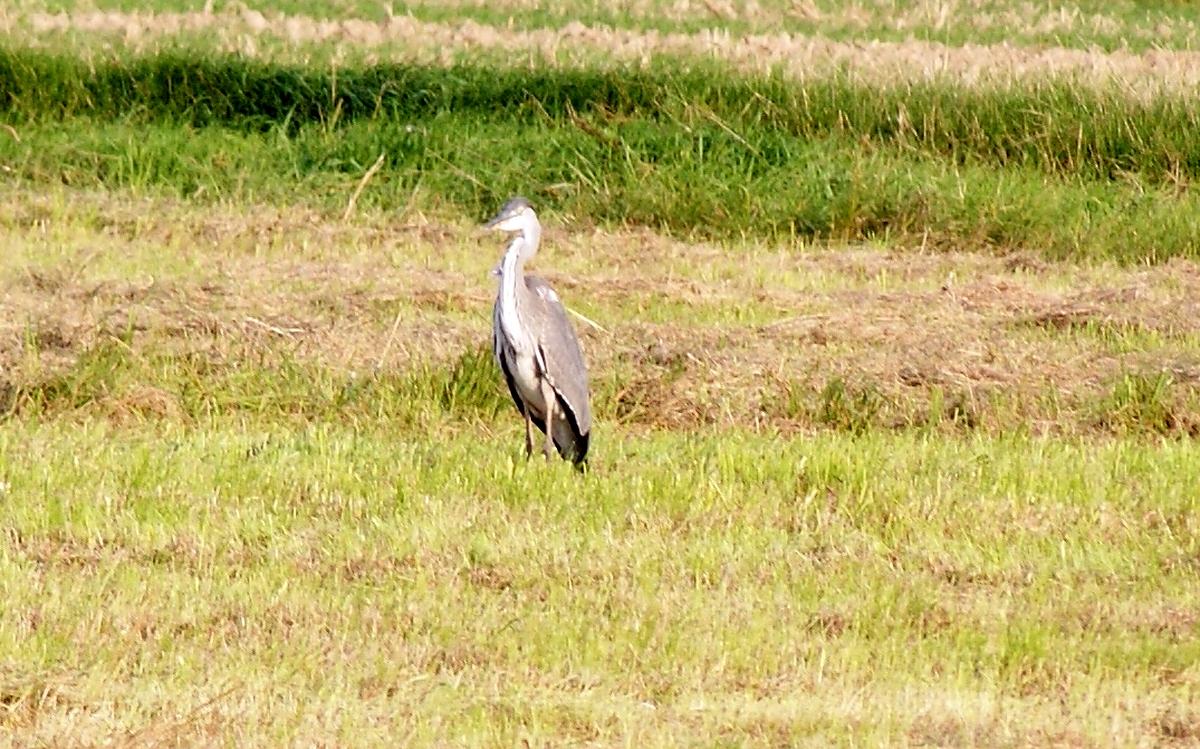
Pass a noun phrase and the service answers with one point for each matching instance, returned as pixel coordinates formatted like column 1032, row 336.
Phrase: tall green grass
column 697, row 152
column 1054, row 127
column 703, row 183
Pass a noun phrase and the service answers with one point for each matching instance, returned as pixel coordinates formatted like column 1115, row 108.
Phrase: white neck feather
column 511, row 274
column 523, row 247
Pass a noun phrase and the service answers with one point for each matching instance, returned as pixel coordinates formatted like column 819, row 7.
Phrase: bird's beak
column 496, row 271
column 494, row 221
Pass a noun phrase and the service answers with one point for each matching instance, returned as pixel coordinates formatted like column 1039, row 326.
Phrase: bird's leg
column 550, row 399
column 528, row 434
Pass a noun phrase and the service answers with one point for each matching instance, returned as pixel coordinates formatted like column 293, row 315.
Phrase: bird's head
column 515, row 215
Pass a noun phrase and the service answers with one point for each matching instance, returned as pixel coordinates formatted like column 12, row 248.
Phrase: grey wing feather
column 559, row 347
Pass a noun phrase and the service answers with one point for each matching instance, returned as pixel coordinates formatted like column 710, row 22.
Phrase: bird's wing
column 562, row 358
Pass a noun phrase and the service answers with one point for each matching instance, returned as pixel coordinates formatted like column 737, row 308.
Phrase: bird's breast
column 518, row 348
column 527, row 381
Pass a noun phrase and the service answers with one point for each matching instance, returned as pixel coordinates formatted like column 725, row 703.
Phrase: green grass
column 1053, row 126
column 1061, row 172
column 714, row 584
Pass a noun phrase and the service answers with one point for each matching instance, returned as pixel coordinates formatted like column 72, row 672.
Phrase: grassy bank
column 706, row 183
column 1052, row 127
column 698, row 153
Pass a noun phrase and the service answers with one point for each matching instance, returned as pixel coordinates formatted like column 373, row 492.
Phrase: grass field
column 896, row 376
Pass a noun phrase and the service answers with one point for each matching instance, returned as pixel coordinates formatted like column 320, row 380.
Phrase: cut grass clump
column 861, row 407
column 855, row 408
column 954, row 408
column 97, row 373
column 641, row 387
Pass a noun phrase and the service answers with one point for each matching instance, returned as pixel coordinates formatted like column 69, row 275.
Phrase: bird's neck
column 530, row 237
column 511, row 272
column 523, row 247
column 512, row 268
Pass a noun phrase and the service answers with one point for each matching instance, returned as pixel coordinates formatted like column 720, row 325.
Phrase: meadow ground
column 897, row 415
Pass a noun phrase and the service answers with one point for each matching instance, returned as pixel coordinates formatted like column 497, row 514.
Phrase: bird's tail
column 573, row 447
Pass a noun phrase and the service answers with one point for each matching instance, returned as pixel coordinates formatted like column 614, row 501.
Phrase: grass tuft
column 1147, row 403
column 849, row 408
column 471, row 385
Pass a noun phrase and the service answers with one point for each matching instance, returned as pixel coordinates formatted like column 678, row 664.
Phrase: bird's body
column 535, row 345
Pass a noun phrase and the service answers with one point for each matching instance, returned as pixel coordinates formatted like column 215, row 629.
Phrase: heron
column 535, row 345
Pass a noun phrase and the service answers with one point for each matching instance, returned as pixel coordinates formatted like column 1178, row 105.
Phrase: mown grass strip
column 112, row 379
column 115, row 382
column 1124, row 25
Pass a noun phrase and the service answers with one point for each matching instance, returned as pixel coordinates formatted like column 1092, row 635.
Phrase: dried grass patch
column 1138, row 74
column 970, row 16
column 753, row 336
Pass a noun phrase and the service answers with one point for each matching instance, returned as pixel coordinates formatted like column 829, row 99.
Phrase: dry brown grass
column 693, row 334
column 865, row 15
column 1140, row 74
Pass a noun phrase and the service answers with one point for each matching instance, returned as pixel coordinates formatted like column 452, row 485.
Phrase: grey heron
column 536, row 346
